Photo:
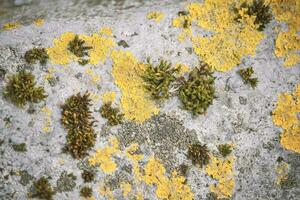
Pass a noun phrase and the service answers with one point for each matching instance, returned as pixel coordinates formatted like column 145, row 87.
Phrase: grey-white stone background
column 239, row 114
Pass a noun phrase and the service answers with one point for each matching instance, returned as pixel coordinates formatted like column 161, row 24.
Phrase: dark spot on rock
column 25, row 177
column 66, row 182
column 123, row 43
column 243, row 101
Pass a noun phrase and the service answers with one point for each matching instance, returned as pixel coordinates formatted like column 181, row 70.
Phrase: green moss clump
column 113, row 115
column 159, row 78
column 197, row 93
column 259, row 9
column 19, row 147
column 22, row 88
column 224, row 149
column 77, row 47
column 78, row 120
column 87, row 176
column 41, row 189
column 86, row 192
column 246, row 74
column 199, row 154
column 36, row 54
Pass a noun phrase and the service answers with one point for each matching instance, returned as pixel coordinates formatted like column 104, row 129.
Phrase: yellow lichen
column 221, row 169
column 130, row 152
column 105, row 191
column 95, row 77
column 106, row 31
column 183, row 22
column 39, row 22
column 288, row 43
column 139, row 196
column 157, row 16
column 285, row 116
column 135, row 102
column 183, row 68
column 101, row 48
column 103, row 157
column 11, row 26
column 47, row 120
column 230, row 40
column 172, row 188
column 126, row 188
column 108, row 97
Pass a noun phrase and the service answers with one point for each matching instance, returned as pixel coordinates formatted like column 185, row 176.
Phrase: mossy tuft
column 224, row 149
column 259, row 9
column 246, row 74
column 113, row 115
column 22, row 88
column 78, row 120
column 86, row 192
column 197, row 93
column 198, row 154
column 78, row 48
column 159, row 78
column 41, row 189
column 19, row 147
column 87, row 176
column 36, row 54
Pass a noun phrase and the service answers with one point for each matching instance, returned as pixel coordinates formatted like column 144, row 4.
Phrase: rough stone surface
column 239, row 115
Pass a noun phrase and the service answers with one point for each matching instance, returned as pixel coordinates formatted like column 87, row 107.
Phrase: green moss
column 86, row 192
column 113, row 115
column 159, row 78
column 78, row 120
column 87, row 176
column 197, row 93
column 257, row 8
column 19, row 147
column 22, row 88
column 66, row 182
column 198, row 154
column 78, row 48
column 246, row 74
column 41, row 189
column 224, row 149
column 36, row 54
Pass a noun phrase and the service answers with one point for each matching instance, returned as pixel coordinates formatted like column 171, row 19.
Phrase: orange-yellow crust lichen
column 285, row 116
column 221, row 169
column 11, row 26
column 135, row 102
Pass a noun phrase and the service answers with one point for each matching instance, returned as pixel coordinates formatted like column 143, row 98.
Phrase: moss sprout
column 113, row 115
column 86, row 192
column 246, row 74
column 78, row 120
column 259, row 9
column 78, row 48
column 19, row 147
column 22, row 88
column 224, row 149
column 159, row 78
column 87, row 176
column 199, row 154
column 41, row 189
column 197, row 93
column 36, row 54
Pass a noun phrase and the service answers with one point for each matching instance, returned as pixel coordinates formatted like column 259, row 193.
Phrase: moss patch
column 113, row 115
column 198, row 154
column 41, row 189
column 36, row 54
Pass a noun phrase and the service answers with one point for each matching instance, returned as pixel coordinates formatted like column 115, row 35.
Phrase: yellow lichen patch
column 101, row 48
column 94, row 77
column 108, row 97
column 106, row 31
column 103, row 157
column 285, row 116
column 39, row 22
column 230, row 40
column 47, row 120
column 126, row 188
column 139, row 196
column 130, row 152
column 221, row 169
column 282, row 171
column 183, row 22
column 288, row 43
column 11, row 26
column 183, row 68
column 105, row 191
column 135, row 102
column 166, row 188
column 157, row 16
